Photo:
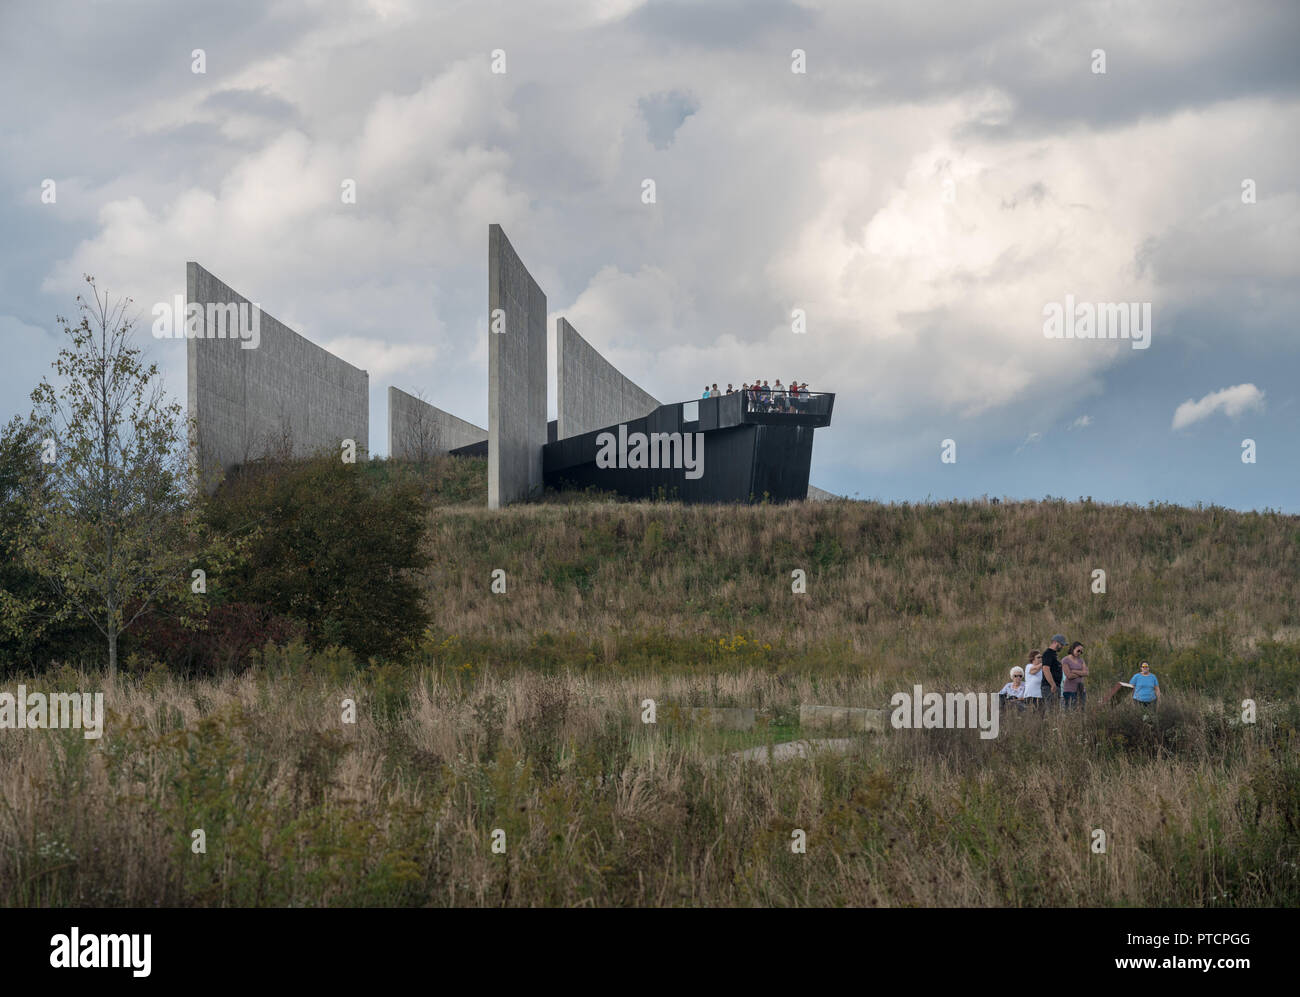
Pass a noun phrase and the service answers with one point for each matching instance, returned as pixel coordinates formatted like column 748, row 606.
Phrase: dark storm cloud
column 119, row 54
column 820, row 190
column 664, row 114
column 1160, row 58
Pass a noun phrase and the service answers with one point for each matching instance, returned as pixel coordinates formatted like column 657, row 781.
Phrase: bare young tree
column 111, row 521
column 420, row 441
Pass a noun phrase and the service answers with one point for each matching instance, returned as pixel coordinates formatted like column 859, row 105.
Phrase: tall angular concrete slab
column 516, row 375
column 592, row 392
column 271, row 391
column 418, row 430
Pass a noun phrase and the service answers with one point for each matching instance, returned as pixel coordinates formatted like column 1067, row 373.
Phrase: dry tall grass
column 599, row 808
column 959, row 591
column 521, row 712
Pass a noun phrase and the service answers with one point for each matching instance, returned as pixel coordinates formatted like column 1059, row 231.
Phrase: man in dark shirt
column 1052, row 670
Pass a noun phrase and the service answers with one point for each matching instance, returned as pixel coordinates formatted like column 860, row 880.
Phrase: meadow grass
column 522, row 713
column 598, row 808
column 954, row 591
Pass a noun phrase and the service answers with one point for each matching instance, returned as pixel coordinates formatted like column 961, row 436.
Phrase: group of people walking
column 1045, row 676
column 763, row 397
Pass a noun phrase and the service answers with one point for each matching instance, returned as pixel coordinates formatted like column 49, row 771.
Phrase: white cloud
column 1029, row 441
column 1231, row 401
column 1083, row 422
column 823, row 193
column 379, row 358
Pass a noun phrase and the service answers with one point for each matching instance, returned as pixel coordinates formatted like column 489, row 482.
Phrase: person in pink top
column 1074, row 668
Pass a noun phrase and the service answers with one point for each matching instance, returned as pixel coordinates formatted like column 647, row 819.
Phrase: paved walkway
column 794, row 749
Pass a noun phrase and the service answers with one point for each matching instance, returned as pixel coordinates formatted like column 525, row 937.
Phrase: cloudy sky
column 935, row 179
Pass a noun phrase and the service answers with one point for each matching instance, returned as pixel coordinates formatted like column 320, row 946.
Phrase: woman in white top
column 1015, row 689
column 1034, row 676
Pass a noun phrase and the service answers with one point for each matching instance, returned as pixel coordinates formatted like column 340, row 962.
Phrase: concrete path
column 794, row 749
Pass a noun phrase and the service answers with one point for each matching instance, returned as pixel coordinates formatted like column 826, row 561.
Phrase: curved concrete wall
column 593, row 393
column 516, row 375
column 283, row 394
column 418, row 430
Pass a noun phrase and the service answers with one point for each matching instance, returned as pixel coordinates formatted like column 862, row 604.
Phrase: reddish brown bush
column 229, row 635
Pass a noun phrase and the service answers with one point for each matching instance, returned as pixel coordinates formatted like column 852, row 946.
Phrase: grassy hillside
column 956, row 591
column 522, row 713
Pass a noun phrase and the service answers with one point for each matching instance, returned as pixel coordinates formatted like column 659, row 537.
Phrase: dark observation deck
column 747, row 450
column 806, row 409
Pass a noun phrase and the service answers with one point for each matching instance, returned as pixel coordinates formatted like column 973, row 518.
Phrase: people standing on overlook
column 761, row 396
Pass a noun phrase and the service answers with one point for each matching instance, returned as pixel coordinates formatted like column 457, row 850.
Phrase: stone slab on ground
column 846, row 717
column 795, row 749
column 721, row 717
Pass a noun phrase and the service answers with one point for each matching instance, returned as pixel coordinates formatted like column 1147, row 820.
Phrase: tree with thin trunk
column 111, row 524
column 421, row 441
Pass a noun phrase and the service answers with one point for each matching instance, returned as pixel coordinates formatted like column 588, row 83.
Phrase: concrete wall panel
column 516, row 376
column 418, row 430
column 286, row 395
column 592, row 392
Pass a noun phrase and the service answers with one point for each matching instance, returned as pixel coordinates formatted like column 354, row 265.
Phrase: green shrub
column 35, row 628
column 333, row 546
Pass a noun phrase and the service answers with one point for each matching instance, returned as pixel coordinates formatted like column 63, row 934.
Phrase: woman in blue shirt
column 1146, row 687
